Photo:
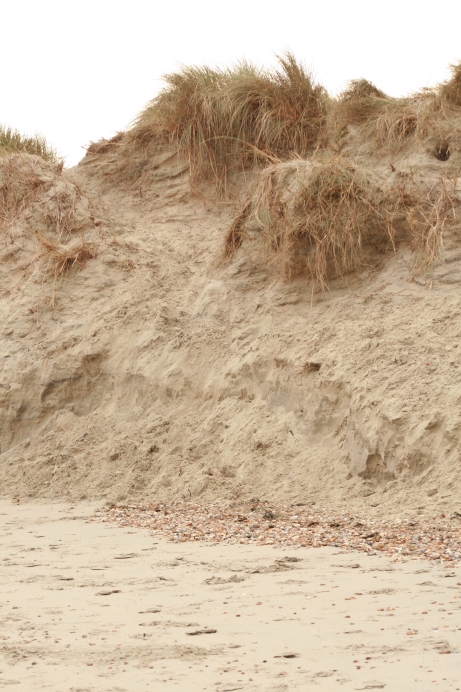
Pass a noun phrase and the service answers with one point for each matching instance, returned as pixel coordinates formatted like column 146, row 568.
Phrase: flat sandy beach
column 92, row 607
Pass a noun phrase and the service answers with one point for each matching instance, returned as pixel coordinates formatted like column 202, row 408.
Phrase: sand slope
column 150, row 372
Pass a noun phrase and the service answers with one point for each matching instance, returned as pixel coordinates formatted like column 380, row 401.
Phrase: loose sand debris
column 295, row 526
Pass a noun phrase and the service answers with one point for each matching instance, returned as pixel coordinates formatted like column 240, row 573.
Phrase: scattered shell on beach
column 263, row 523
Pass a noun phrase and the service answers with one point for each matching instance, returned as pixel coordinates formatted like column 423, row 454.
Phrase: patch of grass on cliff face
column 315, row 219
column 230, row 118
column 225, row 120
column 39, row 203
column 328, row 216
column 13, row 142
column 392, row 123
column 361, row 89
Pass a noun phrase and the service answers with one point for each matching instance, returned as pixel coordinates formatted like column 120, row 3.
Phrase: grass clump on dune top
column 226, row 118
column 13, row 142
column 361, row 89
column 391, row 123
column 359, row 101
column 384, row 121
column 450, row 91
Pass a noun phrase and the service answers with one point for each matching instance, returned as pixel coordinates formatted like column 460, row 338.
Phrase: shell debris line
column 264, row 523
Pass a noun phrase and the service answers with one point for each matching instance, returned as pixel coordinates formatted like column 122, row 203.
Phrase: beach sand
column 93, row 607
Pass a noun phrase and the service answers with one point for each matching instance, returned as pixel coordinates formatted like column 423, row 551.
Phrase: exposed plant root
column 61, row 258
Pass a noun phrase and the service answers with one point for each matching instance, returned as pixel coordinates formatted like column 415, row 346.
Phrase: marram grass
column 13, row 142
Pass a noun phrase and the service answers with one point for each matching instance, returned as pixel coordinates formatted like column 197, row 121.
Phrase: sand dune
column 251, row 297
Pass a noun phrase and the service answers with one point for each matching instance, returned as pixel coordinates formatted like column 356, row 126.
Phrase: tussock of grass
column 323, row 219
column 13, row 142
column 59, row 258
column 315, row 219
column 359, row 102
column 385, row 122
column 450, row 91
column 40, row 208
column 392, row 123
column 222, row 119
column 424, row 214
column 20, row 184
column 361, row 89
column 103, row 146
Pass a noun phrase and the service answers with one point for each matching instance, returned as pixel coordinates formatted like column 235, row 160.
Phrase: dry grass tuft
column 450, row 91
column 105, row 145
column 388, row 124
column 59, row 258
column 361, row 89
column 21, row 180
column 393, row 122
column 316, row 219
column 423, row 213
column 13, row 142
column 360, row 101
column 225, row 119
column 40, row 205
column 323, row 219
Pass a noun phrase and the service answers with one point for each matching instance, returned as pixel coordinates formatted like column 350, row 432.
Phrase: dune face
column 140, row 361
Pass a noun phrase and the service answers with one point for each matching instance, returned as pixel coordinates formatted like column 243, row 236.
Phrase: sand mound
column 46, row 224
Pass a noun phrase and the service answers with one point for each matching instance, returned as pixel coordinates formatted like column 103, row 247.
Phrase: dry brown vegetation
column 60, row 258
column 225, row 119
column 324, row 218
column 360, row 101
column 391, row 123
column 385, row 122
column 319, row 214
column 421, row 214
column 361, row 89
column 13, row 142
column 37, row 203
column 315, row 218
column 450, row 91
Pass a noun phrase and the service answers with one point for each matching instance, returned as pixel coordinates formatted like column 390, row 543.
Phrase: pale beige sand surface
column 150, row 373
column 93, row 607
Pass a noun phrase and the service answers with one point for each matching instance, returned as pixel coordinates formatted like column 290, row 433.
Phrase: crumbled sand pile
column 138, row 366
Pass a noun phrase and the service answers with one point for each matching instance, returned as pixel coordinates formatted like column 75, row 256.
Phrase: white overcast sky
column 77, row 71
